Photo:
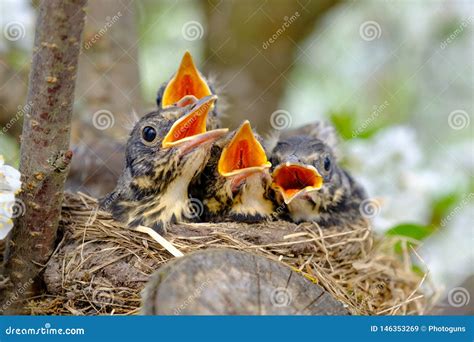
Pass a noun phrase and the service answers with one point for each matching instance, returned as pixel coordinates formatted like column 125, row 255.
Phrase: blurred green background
column 396, row 79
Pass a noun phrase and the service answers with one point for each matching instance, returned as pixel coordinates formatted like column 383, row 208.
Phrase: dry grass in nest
column 100, row 268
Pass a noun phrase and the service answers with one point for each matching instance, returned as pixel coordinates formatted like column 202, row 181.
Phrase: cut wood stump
column 229, row 282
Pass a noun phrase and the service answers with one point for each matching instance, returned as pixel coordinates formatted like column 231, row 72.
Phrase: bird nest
column 99, row 267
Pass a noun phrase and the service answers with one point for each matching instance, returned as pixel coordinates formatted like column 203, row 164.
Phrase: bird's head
column 187, row 81
column 303, row 166
column 163, row 141
column 242, row 156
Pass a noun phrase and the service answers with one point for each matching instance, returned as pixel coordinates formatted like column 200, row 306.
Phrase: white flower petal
column 6, row 197
column 9, row 179
column 5, row 228
column 4, row 215
column 10, row 171
column 6, row 210
column 8, row 185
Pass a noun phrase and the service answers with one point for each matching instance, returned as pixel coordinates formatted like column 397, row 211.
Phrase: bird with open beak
column 187, row 81
column 166, row 150
column 236, row 181
column 310, row 185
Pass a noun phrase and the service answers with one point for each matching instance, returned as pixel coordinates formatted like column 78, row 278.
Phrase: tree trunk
column 45, row 154
column 251, row 46
column 229, row 282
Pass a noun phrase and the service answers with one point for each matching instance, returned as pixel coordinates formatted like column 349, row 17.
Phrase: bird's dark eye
column 327, row 164
column 149, row 133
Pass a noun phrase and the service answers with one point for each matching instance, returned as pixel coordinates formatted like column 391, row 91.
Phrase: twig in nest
column 3, row 281
column 161, row 240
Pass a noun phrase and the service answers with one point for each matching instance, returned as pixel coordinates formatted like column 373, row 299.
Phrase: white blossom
column 392, row 167
column 10, row 184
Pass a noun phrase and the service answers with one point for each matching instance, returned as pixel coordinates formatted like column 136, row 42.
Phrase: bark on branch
column 45, row 154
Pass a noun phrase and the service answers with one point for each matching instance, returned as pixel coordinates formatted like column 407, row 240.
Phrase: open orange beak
column 243, row 155
column 292, row 180
column 187, row 81
column 190, row 130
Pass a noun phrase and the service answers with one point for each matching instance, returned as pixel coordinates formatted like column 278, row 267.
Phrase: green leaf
column 411, row 230
column 418, row 270
column 442, row 206
column 344, row 122
column 9, row 149
column 350, row 125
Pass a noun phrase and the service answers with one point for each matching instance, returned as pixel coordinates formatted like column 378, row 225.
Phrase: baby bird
column 311, row 186
column 166, row 150
column 187, row 81
column 236, row 180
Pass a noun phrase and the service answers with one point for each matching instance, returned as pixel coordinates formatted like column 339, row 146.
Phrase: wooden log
column 229, row 282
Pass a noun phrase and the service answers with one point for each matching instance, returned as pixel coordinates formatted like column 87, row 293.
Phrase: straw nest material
column 100, row 267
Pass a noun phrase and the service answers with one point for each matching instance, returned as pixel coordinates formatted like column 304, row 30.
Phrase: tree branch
column 45, row 154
